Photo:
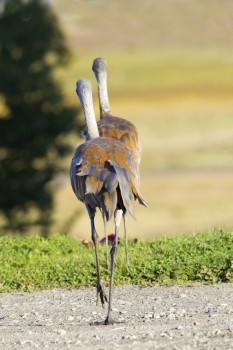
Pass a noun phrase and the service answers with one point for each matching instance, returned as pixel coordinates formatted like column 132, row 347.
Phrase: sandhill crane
column 114, row 127
column 109, row 125
column 104, row 174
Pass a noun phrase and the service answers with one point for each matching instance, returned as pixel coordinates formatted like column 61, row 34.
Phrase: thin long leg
column 106, row 239
column 99, row 287
column 113, row 252
column 126, row 238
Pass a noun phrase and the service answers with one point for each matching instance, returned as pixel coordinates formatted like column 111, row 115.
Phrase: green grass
column 33, row 263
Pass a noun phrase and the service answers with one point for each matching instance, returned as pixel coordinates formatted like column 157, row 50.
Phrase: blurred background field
column 170, row 68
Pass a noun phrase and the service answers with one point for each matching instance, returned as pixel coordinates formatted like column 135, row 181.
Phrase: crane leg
column 106, row 239
column 113, row 253
column 126, row 238
column 99, row 287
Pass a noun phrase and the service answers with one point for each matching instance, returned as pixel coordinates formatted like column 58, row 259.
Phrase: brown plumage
column 104, row 174
column 122, row 130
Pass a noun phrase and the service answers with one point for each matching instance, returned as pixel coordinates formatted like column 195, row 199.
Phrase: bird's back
column 122, row 130
column 104, row 173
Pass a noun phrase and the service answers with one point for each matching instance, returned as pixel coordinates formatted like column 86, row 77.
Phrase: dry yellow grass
column 170, row 72
column 186, row 167
column 178, row 203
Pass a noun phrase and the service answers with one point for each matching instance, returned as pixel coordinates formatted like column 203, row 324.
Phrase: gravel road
column 149, row 318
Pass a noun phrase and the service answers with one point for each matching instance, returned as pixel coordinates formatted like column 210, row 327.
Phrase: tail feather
column 125, row 190
column 141, row 200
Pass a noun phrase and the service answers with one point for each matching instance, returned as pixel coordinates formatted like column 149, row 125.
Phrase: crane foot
column 101, row 294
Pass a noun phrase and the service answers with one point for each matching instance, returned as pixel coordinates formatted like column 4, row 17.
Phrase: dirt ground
column 182, row 317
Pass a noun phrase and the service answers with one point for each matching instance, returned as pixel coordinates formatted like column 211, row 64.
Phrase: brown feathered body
column 104, row 173
column 122, row 130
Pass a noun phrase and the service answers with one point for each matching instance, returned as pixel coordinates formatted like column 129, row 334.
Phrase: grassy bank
column 32, row 263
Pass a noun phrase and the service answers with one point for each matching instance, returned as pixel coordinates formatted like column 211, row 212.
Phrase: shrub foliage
column 34, row 120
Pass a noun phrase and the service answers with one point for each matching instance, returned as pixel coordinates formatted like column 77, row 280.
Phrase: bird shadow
column 108, row 323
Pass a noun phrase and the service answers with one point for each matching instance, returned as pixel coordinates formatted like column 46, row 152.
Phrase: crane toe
column 101, row 294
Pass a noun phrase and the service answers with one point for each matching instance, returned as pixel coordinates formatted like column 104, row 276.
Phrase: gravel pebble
column 181, row 318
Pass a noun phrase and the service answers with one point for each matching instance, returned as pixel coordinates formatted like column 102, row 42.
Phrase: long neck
column 84, row 91
column 99, row 68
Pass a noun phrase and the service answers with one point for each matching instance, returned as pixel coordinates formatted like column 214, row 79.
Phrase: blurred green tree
column 34, row 121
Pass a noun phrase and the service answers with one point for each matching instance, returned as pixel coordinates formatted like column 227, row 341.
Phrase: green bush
column 33, row 263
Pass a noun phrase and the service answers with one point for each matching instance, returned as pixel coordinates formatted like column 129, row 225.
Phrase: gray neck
column 100, row 70
column 84, row 91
